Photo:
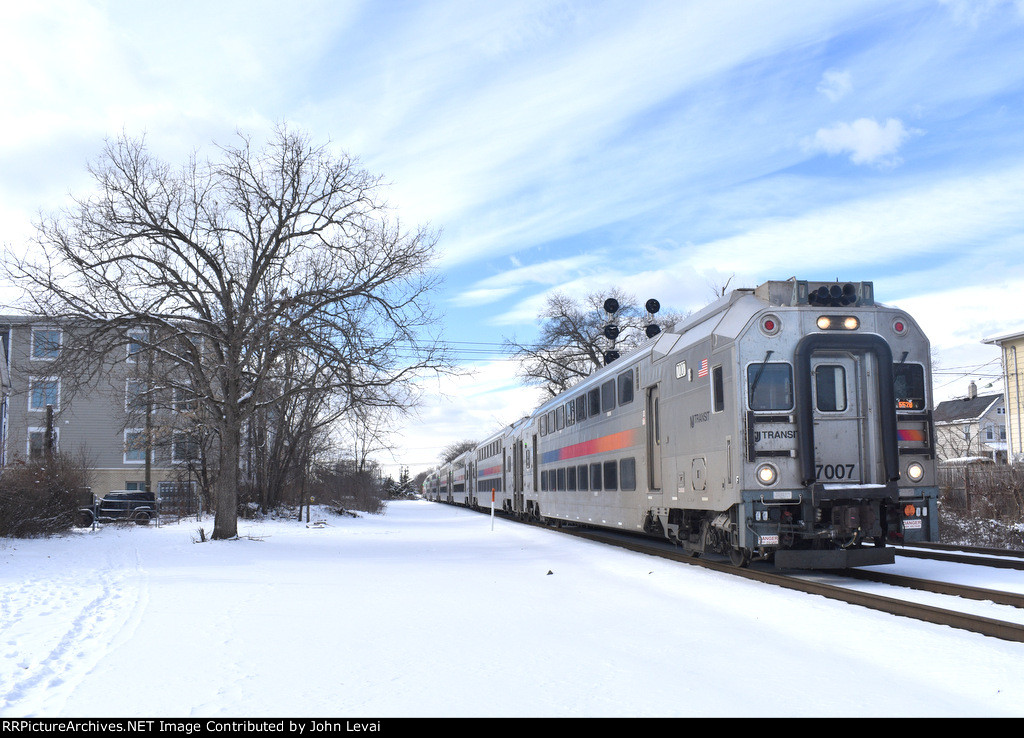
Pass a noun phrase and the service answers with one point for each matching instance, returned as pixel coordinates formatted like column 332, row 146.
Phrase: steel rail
column 944, row 588
column 926, row 613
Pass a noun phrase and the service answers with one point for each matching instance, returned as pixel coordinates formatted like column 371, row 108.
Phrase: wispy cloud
column 835, row 84
column 662, row 148
column 865, row 140
column 547, row 274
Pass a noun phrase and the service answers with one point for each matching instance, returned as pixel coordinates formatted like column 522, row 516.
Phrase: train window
column 611, row 474
column 908, row 386
column 595, row 477
column 717, row 390
column 570, row 413
column 770, row 386
column 626, row 387
column 561, row 480
column 581, row 477
column 559, row 417
column 830, row 388
column 608, row 396
column 543, row 481
column 627, row 473
column 594, row 402
column 581, row 408
column 570, row 479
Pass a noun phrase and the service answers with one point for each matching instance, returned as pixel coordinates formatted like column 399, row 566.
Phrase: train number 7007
column 835, row 471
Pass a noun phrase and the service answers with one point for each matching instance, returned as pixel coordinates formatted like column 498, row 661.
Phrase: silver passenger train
column 789, row 422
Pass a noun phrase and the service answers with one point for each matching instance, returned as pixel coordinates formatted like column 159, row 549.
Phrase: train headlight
column 915, row 471
column 767, row 474
column 838, row 322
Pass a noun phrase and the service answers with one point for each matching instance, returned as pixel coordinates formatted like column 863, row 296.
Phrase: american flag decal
column 703, row 368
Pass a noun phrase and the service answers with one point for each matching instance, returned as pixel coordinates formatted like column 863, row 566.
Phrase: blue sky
column 660, row 147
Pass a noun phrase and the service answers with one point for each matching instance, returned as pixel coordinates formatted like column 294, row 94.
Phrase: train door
column 517, row 471
column 845, row 410
column 841, row 433
column 535, row 481
column 653, row 438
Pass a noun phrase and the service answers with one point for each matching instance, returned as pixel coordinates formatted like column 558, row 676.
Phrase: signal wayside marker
column 492, row 508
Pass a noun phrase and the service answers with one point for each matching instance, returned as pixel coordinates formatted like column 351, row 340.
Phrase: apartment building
column 99, row 419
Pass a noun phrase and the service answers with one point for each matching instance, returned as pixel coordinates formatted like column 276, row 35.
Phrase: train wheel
column 739, row 557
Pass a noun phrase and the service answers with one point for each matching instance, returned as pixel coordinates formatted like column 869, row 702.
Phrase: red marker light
column 770, row 325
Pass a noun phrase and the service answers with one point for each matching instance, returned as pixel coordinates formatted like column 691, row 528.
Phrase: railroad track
column 1011, row 599
column 893, row 606
column 973, row 555
column 962, row 621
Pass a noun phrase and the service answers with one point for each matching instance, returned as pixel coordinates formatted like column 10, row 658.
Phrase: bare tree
column 958, row 440
column 572, row 340
column 366, row 431
column 454, row 450
column 224, row 267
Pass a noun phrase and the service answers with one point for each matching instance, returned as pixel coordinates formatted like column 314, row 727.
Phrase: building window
column 134, row 446
column 184, row 448
column 45, row 343
column 135, row 341
column 134, row 395
column 37, row 442
column 184, row 400
column 43, row 391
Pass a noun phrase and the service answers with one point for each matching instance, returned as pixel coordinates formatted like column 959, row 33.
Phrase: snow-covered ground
column 427, row 611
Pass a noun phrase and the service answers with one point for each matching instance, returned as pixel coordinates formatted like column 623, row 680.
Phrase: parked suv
column 123, row 505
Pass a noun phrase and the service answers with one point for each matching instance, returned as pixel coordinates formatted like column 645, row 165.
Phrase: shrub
column 40, row 498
